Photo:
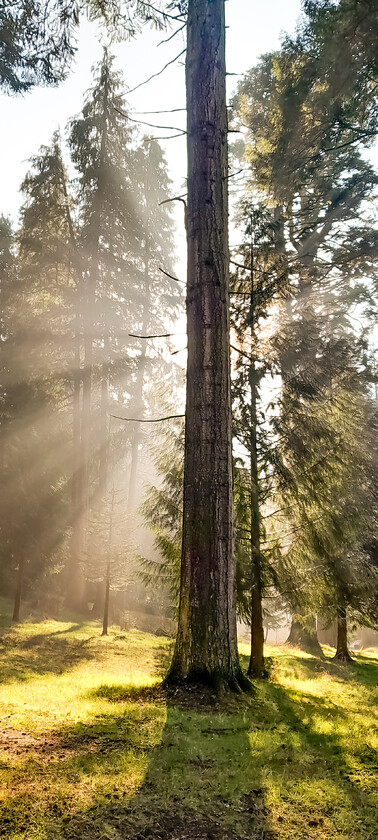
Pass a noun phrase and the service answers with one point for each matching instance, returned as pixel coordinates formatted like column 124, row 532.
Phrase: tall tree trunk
column 17, row 599
column 303, row 635
column 206, row 646
column 342, row 652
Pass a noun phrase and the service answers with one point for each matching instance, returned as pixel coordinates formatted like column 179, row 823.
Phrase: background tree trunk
column 303, row 635
column 17, row 599
column 206, row 646
column 342, row 652
column 106, row 604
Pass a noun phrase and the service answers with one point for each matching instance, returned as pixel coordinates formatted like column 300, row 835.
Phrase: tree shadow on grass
column 21, row 658
column 198, row 782
column 151, row 765
column 362, row 670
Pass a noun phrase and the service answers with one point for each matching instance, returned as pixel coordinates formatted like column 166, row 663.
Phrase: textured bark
column 303, row 635
column 206, row 648
column 342, row 652
column 17, row 599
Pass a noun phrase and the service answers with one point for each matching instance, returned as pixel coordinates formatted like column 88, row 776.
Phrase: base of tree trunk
column 343, row 656
column 215, row 682
column 342, row 653
column 257, row 672
column 305, row 639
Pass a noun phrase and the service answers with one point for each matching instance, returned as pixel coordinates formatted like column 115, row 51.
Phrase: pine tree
column 37, row 375
column 259, row 279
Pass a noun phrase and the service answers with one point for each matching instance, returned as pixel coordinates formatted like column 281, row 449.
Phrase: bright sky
column 28, row 122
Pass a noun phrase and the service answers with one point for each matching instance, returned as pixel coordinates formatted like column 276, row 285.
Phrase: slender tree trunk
column 342, row 652
column 75, row 581
column 206, row 646
column 98, row 600
column 75, row 584
column 106, row 603
column 108, row 568
column 104, row 431
column 303, row 635
column 140, row 383
column 17, row 599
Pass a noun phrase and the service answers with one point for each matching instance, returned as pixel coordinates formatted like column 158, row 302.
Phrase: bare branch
column 168, row 111
column 152, row 125
column 171, row 277
column 154, row 75
column 165, row 41
column 160, row 11
column 158, row 335
column 179, row 351
column 156, row 420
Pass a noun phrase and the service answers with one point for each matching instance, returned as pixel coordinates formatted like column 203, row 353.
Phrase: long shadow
column 361, row 670
column 22, row 658
column 328, row 770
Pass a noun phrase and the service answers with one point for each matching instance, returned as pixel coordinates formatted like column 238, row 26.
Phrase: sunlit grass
column 88, row 754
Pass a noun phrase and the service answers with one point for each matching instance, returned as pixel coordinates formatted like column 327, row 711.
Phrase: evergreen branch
column 154, row 75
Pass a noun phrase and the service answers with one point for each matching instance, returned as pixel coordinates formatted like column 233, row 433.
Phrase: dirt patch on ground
column 163, row 825
column 54, row 746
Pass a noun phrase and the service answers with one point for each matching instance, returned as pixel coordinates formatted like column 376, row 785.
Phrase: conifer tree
column 38, row 372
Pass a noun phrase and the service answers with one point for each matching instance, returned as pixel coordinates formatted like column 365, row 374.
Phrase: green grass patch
column 91, row 750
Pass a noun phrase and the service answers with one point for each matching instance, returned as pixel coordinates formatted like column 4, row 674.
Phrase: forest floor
column 92, row 748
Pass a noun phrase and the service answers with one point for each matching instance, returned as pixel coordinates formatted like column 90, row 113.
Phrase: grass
column 91, row 750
